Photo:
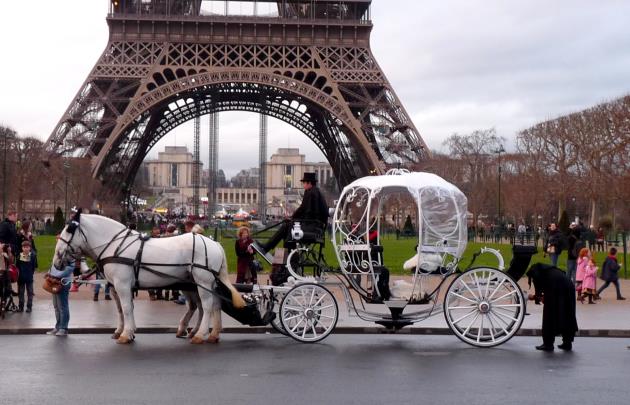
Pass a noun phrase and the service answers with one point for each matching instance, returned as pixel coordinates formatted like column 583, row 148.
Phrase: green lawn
column 396, row 252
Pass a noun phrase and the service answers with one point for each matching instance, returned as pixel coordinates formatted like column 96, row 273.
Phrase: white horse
column 186, row 258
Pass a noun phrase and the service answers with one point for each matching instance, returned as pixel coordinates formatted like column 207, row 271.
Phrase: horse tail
column 237, row 300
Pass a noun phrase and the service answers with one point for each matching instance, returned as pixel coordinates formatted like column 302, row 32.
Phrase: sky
column 457, row 66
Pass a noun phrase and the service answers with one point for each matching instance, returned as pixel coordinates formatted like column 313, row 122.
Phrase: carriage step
column 396, row 303
column 394, row 324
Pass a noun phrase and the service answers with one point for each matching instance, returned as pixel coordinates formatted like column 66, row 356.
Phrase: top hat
column 309, row 177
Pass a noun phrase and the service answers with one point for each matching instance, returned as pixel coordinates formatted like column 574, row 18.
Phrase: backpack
column 14, row 273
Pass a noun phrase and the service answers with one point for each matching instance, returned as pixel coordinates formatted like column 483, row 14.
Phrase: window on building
column 174, row 175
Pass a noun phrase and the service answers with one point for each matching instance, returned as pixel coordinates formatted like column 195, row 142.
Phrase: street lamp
column 4, row 174
column 499, row 151
column 66, row 166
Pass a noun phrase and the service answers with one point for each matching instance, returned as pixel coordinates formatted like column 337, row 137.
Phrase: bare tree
column 476, row 151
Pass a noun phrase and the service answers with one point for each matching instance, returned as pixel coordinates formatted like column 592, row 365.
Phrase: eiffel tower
column 305, row 62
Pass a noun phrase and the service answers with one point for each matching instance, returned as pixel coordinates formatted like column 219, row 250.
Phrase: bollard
column 216, row 234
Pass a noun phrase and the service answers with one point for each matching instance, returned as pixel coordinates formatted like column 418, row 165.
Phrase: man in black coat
column 313, row 211
column 8, row 232
column 557, row 292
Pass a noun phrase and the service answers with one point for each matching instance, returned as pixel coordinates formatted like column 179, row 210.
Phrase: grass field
column 395, row 252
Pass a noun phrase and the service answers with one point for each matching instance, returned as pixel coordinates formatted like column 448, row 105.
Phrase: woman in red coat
column 245, row 256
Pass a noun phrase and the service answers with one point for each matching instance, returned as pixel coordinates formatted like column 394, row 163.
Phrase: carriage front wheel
column 484, row 307
column 309, row 312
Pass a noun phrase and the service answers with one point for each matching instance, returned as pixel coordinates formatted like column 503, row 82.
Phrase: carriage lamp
column 297, row 233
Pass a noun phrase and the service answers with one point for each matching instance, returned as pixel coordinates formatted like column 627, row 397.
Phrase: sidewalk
column 608, row 318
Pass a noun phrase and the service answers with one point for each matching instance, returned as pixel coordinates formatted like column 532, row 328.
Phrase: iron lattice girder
column 229, row 97
column 321, row 80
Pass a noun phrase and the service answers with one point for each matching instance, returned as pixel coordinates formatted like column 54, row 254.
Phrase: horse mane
column 103, row 218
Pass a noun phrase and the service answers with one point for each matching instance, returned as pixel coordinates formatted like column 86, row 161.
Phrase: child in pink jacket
column 583, row 258
column 589, row 287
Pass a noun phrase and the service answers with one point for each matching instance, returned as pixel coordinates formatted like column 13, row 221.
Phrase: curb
column 341, row 330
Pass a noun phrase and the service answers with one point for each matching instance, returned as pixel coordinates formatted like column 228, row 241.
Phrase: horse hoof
column 196, row 340
column 123, row 340
column 180, row 335
column 115, row 335
column 213, row 339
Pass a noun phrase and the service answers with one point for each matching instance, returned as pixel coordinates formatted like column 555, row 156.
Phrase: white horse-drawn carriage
column 483, row 306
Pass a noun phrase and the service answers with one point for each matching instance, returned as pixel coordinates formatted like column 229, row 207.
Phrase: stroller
column 7, row 274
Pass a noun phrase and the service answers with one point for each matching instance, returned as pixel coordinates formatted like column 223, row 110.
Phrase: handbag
column 52, row 284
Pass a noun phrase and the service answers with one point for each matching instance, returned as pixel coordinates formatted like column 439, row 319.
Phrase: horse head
column 68, row 247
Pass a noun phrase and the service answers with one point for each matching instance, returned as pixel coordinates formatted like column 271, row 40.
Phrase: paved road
column 345, row 369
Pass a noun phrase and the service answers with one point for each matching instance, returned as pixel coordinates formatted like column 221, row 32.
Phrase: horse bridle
column 71, row 228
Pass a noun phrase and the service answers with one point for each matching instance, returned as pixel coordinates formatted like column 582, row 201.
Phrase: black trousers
column 28, row 286
column 606, row 284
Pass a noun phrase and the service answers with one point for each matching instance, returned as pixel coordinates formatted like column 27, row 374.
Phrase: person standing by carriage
column 60, row 300
column 557, row 293
column 27, row 263
column 245, row 257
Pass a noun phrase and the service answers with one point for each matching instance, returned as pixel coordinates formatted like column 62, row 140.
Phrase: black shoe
column 545, row 348
column 95, row 297
column 621, row 298
column 28, row 309
column 566, row 346
column 20, row 309
column 108, row 298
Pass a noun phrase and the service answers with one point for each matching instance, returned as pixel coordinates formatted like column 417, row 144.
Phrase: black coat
column 8, row 235
column 555, row 239
column 558, row 293
column 313, row 207
column 610, row 270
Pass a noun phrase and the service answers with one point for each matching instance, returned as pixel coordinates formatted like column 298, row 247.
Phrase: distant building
column 284, row 189
column 170, row 175
column 171, row 172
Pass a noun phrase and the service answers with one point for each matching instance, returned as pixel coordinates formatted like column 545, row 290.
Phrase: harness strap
column 117, row 251
column 137, row 263
column 192, row 259
column 98, row 259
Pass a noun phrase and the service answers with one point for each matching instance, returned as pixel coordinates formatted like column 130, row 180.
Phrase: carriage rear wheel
column 484, row 307
column 309, row 312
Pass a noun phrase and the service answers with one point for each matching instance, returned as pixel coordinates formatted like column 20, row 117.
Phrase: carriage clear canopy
column 441, row 210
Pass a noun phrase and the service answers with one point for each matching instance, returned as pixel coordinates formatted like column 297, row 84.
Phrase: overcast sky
column 457, row 66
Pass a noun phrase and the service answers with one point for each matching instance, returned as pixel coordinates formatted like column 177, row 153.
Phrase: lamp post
column 499, row 151
column 4, row 175
column 66, row 166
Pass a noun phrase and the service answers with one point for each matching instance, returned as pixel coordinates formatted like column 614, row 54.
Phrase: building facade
column 285, row 169
column 171, row 175
column 171, row 172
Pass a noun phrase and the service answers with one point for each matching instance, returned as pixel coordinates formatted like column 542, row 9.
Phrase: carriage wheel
column 309, row 313
column 484, row 307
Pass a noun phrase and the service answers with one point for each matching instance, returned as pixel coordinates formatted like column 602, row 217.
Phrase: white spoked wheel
column 309, row 313
column 484, row 307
